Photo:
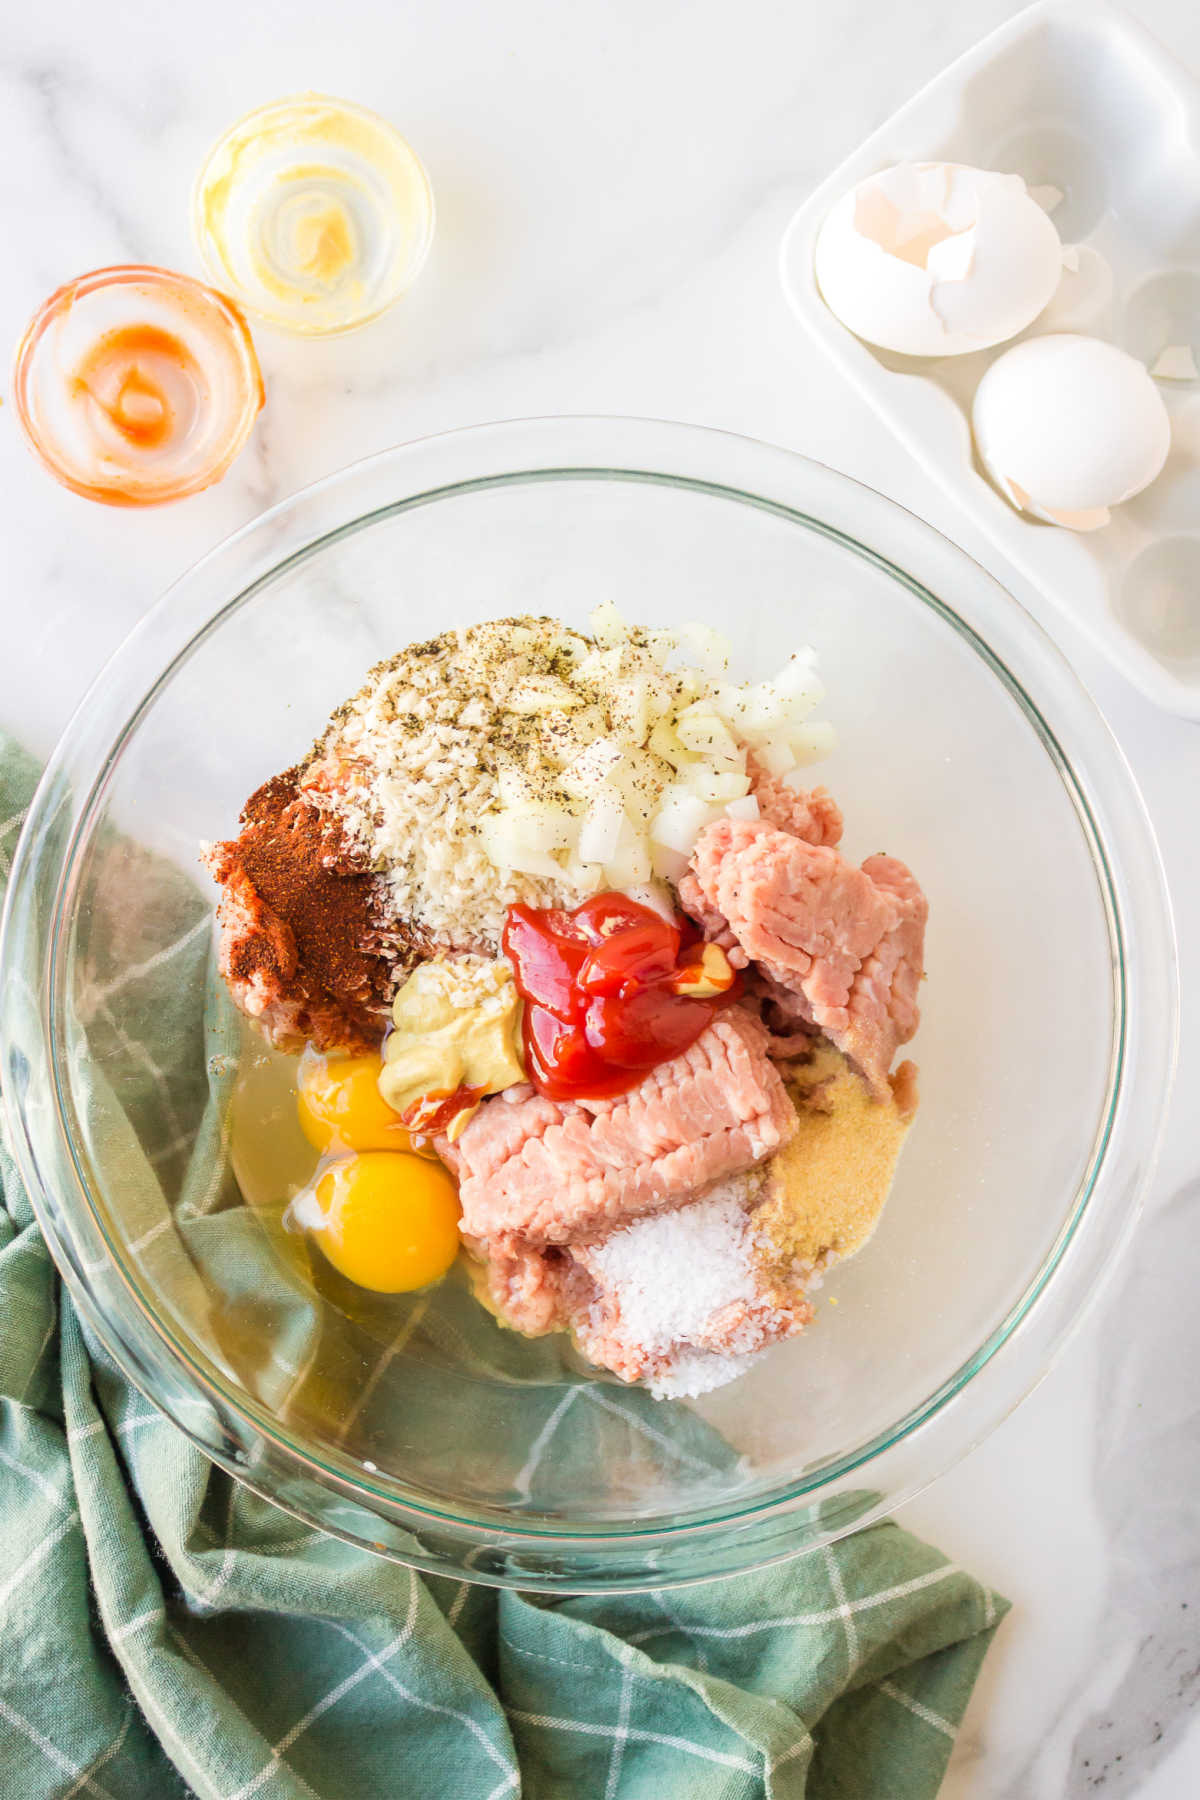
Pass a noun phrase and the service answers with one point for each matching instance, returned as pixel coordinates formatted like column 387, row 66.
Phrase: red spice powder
column 317, row 932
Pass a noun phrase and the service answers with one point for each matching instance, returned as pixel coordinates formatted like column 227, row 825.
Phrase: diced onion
column 702, row 731
column 601, row 668
column 776, row 757
column 608, row 627
column 798, row 682
column 717, row 785
column 522, row 837
column 638, row 779
column 542, row 694
column 593, row 768
column 812, row 742
column 638, row 703
column 668, row 865
column 680, row 821
column 514, row 786
column 764, row 709
column 661, row 643
column 511, row 856
column 642, row 740
column 586, row 876
column 708, row 648
column 629, row 863
column 630, row 707
column 664, row 741
column 600, row 831
column 657, row 896
column 542, row 826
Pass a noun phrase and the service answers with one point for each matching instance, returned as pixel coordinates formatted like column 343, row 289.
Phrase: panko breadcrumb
column 415, row 761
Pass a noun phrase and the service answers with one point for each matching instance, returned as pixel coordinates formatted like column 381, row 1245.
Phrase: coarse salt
column 691, row 1373
column 670, row 1273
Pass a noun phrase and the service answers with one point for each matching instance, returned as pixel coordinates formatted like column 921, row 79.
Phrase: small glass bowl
column 415, row 1425
column 315, row 212
column 134, row 385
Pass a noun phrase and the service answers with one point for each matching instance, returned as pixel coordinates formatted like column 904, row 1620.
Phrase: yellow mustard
column 315, row 212
column 324, row 243
column 457, row 1024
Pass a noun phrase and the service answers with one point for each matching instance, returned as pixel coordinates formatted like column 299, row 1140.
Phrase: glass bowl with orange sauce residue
column 134, row 385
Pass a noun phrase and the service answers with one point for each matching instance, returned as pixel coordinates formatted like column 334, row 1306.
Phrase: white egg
column 1069, row 426
column 936, row 259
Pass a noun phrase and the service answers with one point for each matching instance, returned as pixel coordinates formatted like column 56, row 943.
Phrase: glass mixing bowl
column 415, row 1425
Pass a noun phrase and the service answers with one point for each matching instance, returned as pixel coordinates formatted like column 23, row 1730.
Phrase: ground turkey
column 556, row 1171
column 834, row 947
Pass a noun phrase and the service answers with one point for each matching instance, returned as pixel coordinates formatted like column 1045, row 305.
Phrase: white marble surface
column 612, row 182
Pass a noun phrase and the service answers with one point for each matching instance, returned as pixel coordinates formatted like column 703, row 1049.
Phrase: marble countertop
column 612, row 182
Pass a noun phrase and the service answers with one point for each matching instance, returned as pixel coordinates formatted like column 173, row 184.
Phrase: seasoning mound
column 519, row 761
column 306, row 946
column 827, row 1186
column 413, row 764
column 680, row 1298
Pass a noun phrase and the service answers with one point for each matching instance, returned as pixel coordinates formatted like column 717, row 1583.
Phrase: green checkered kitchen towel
column 164, row 1631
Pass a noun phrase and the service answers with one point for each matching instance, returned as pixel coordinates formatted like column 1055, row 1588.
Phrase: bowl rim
column 1106, row 802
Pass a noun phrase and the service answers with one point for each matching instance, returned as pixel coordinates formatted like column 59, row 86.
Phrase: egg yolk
column 341, row 1107
column 391, row 1220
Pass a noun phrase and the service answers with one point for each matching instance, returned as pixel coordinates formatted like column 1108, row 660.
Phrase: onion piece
column 664, row 741
column 657, row 896
column 668, row 865
column 600, row 832
column 710, row 649
column 700, row 729
column 536, row 694
column 812, row 743
column 542, row 825
column 799, row 684
column 629, row 863
column 641, row 764
column 592, row 769
column 776, row 756
column 716, row 786
column 680, row 820
column 588, row 877
column 522, row 837
column 513, row 858
column 608, row 625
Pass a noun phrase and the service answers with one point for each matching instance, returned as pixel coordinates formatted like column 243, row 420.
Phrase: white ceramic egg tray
column 1080, row 99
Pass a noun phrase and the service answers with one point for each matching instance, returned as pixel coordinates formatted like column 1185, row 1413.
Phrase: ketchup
column 122, row 375
column 437, row 1111
column 602, row 996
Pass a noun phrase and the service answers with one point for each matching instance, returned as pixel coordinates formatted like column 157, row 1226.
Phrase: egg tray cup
column 1082, row 99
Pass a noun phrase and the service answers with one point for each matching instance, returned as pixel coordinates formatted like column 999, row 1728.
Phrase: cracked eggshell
column 1069, row 426
column 937, row 259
